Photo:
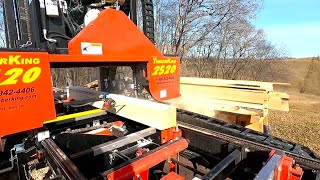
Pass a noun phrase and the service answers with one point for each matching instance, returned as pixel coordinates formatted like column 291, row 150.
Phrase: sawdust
column 302, row 123
column 38, row 174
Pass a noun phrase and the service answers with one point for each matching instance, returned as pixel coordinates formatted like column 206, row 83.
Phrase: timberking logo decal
column 24, row 86
column 12, row 70
column 164, row 61
column 164, row 66
column 18, row 60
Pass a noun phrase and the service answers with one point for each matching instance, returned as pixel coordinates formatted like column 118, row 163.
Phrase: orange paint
column 26, row 99
column 122, row 41
column 110, row 38
column 170, row 134
column 145, row 163
column 172, row 176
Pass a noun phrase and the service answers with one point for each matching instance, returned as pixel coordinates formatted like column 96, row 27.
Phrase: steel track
column 246, row 138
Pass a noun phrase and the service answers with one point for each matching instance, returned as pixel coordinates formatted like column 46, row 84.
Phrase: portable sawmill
column 123, row 130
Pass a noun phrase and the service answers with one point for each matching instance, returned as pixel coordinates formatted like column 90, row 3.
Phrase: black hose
column 60, row 36
column 57, row 34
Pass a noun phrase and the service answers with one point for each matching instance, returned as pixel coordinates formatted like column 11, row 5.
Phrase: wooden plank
column 239, row 95
column 92, row 84
column 279, row 104
column 205, row 107
column 257, row 125
column 210, row 81
column 191, row 105
column 228, row 83
column 281, row 84
column 280, row 95
column 218, row 102
column 278, row 101
column 157, row 115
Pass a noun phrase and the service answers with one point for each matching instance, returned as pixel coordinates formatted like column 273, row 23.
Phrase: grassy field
column 302, row 123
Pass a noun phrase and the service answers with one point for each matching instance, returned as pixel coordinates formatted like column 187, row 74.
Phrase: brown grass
column 302, row 123
column 294, row 72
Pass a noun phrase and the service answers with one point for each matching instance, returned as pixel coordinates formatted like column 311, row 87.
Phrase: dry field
column 302, row 123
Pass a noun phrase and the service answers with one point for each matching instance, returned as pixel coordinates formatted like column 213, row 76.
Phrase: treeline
column 215, row 38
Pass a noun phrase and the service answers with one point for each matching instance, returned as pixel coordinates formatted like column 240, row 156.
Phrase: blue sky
column 294, row 24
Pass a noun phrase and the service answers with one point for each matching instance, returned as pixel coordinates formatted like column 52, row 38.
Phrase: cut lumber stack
column 240, row 102
column 92, row 85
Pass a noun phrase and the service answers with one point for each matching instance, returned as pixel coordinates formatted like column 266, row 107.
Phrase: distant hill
column 302, row 74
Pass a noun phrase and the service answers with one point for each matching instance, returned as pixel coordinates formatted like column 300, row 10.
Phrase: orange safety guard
column 26, row 97
column 112, row 38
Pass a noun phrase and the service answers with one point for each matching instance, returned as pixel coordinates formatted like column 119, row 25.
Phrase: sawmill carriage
column 109, row 134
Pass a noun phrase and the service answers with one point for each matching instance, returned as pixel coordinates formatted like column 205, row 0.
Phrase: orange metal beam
column 145, row 163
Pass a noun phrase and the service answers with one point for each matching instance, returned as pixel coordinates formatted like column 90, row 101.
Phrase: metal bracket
column 122, row 141
column 43, row 135
column 12, row 160
column 115, row 144
column 268, row 171
column 19, row 148
column 217, row 172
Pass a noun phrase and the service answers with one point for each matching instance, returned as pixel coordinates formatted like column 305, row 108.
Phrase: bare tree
column 186, row 23
column 214, row 38
column 2, row 30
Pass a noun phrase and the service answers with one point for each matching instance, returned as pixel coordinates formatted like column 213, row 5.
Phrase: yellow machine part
column 84, row 114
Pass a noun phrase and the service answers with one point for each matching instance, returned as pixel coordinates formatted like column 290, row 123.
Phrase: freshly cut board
column 230, row 83
column 153, row 114
column 158, row 115
column 224, row 93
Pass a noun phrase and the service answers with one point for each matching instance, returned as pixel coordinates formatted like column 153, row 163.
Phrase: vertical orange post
column 166, row 136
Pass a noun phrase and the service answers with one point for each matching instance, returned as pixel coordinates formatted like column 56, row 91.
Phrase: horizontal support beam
column 122, row 141
column 152, row 158
column 117, row 143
